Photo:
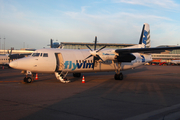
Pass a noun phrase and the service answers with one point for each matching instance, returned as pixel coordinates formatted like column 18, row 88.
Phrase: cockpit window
column 40, row 54
column 45, row 55
column 35, row 54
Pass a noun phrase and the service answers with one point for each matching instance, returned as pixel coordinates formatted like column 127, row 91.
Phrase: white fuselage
column 68, row 60
column 175, row 61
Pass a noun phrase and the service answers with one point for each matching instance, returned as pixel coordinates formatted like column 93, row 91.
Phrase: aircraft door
column 59, row 62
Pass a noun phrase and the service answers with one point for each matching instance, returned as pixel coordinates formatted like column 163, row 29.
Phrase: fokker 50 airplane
column 64, row 61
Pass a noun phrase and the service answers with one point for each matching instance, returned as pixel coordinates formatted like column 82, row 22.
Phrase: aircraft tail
column 145, row 36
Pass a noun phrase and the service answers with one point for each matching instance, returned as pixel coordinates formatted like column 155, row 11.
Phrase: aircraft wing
column 145, row 50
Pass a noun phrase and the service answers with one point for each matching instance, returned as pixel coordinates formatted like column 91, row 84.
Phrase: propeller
column 9, row 55
column 94, row 52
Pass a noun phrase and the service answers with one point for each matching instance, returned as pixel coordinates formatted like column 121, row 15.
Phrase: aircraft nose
column 13, row 64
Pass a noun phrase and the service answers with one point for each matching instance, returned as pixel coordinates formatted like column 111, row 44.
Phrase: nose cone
column 13, row 64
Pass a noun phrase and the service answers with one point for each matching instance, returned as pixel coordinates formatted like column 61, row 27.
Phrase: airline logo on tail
column 146, row 36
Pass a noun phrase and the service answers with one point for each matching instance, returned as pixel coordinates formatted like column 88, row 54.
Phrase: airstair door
column 60, row 62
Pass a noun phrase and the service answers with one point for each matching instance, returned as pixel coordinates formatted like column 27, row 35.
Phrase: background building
column 78, row 45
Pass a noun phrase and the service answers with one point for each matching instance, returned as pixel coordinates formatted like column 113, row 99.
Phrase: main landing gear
column 77, row 75
column 118, row 75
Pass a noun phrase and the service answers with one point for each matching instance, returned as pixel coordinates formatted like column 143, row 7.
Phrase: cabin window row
column 82, row 61
column 4, row 59
column 40, row 54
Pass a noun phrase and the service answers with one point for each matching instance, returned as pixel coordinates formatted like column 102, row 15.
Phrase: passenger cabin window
column 45, row 55
column 35, row 54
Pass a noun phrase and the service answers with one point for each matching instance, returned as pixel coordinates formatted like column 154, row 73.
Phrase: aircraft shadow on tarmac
column 110, row 75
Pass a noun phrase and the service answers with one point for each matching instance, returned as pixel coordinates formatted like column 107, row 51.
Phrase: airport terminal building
column 166, row 56
column 81, row 45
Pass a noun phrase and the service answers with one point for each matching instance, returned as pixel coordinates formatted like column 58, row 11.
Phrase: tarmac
column 146, row 93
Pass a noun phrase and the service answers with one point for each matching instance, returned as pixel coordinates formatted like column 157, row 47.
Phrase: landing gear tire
column 77, row 74
column 28, row 79
column 118, row 76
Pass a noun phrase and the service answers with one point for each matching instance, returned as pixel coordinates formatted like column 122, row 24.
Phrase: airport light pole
column 4, row 45
column 0, row 43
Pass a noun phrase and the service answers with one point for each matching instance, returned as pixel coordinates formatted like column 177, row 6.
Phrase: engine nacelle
column 108, row 55
column 128, row 57
column 120, row 57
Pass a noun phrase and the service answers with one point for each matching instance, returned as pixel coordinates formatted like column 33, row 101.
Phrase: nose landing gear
column 28, row 79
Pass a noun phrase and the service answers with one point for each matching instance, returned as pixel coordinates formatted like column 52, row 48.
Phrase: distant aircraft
column 5, row 59
column 64, row 61
column 176, row 62
column 54, row 44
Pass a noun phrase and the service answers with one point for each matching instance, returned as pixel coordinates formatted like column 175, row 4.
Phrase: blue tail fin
column 145, row 36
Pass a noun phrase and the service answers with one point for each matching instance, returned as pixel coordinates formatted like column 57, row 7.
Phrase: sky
column 32, row 23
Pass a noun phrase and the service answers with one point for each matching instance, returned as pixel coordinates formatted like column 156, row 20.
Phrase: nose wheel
column 27, row 79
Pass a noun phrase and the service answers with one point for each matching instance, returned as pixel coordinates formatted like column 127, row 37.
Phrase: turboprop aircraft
column 5, row 59
column 64, row 61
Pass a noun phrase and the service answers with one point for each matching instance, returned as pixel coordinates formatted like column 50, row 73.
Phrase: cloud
column 114, row 16
column 170, row 4
column 124, row 27
column 83, row 8
column 81, row 24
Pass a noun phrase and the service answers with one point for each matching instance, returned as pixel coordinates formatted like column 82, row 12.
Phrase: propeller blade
column 10, row 56
column 89, row 47
column 101, row 49
column 93, row 62
column 95, row 42
column 99, row 57
column 10, row 52
column 89, row 57
column 94, row 52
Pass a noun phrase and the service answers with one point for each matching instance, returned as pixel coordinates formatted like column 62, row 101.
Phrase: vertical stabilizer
column 145, row 36
column 51, row 43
